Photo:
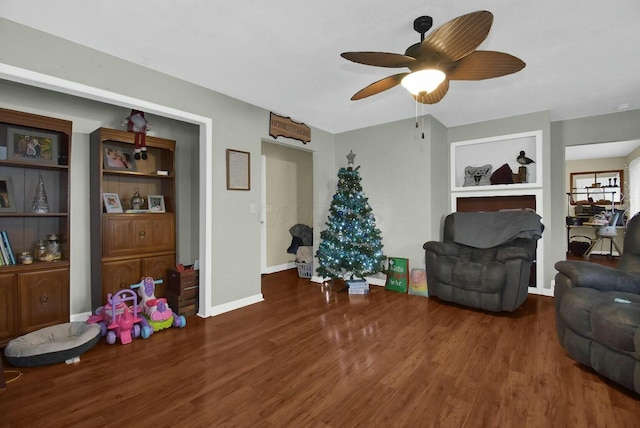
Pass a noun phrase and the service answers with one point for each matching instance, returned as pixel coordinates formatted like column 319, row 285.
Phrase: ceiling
column 582, row 56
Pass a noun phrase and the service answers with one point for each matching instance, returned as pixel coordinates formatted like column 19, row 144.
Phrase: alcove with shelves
column 34, row 295
column 126, row 246
column 497, row 151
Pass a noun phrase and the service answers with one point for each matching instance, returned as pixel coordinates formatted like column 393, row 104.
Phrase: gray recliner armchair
column 598, row 312
column 484, row 260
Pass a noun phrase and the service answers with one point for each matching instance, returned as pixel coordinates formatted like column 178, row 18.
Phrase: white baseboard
column 236, row 304
column 83, row 316
column 279, row 268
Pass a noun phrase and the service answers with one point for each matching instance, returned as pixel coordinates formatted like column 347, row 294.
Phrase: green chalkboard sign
column 397, row 274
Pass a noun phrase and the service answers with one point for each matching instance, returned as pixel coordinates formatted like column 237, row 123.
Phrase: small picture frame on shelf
column 26, row 145
column 118, row 158
column 7, row 197
column 112, row 203
column 156, row 203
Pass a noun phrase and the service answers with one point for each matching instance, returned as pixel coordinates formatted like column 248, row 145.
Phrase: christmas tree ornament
column 40, row 205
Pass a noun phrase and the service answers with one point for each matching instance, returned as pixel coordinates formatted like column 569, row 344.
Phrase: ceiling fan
column 448, row 53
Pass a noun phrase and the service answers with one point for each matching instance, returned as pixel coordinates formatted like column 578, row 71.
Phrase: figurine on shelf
column 40, row 205
column 137, row 123
column 137, row 201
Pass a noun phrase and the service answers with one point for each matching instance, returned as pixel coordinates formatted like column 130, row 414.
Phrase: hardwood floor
column 310, row 356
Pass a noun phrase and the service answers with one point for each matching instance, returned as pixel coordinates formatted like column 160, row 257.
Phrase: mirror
column 602, row 187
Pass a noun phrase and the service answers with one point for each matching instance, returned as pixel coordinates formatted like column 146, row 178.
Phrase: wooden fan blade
column 379, row 86
column 379, row 59
column 435, row 96
column 480, row 65
column 458, row 37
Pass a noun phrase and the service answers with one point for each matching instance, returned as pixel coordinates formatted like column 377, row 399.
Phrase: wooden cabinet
column 130, row 245
column 44, row 300
column 182, row 291
column 131, row 234
column 34, row 149
column 8, row 307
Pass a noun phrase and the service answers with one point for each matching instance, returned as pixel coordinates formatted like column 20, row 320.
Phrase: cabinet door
column 163, row 233
column 129, row 235
column 8, row 307
column 44, row 299
column 118, row 275
column 157, row 267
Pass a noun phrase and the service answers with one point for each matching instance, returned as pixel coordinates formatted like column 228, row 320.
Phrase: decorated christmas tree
column 351, row 246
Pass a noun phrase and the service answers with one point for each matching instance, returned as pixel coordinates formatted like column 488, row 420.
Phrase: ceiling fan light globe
column 423, row 81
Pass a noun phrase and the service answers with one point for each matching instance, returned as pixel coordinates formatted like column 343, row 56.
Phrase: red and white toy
column 136, row 122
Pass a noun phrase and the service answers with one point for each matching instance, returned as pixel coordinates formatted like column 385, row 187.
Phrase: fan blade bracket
column 460, row 36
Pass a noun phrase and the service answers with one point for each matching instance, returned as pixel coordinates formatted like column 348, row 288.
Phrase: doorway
column 596, row 193
column 287, row 200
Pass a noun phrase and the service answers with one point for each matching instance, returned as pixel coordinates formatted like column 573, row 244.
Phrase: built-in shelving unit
column 128, row 246
column 34, row 295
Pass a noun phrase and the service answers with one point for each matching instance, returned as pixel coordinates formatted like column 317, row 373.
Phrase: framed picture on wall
column 238, row 170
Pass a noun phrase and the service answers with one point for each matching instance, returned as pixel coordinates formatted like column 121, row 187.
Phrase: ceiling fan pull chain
column 422, row 108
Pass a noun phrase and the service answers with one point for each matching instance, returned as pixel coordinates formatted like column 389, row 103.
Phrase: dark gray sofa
column 484, row 260
column 598, row 312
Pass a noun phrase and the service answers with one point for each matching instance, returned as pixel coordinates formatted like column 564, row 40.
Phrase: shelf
column 33, row 215
column 497, row 151
column 32, row 165
column 126, row 246
column 136, row 174
column 35, row 266
column 34, row 295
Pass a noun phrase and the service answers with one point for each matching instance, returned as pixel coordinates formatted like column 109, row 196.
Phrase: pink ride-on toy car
column 155, row 310
column 119, row 320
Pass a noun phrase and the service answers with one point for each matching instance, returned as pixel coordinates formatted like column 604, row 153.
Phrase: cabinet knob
column 142, row 233
column 44, row 299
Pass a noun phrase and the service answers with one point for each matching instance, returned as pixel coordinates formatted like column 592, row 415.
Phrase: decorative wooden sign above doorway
column 280, row 126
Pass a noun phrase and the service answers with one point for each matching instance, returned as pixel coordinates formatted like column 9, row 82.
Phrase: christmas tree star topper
column 351, row 157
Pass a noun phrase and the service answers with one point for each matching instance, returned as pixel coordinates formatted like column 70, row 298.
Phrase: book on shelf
column 136, row 211
column 5, row 249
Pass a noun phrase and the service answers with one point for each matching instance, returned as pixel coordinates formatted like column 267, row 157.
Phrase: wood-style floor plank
column 309, row 356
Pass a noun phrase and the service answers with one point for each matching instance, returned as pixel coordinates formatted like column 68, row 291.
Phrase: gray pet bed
column 53, row 344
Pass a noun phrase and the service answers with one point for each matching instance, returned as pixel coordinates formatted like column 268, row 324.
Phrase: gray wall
column 235, row 259
column 403, row 175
